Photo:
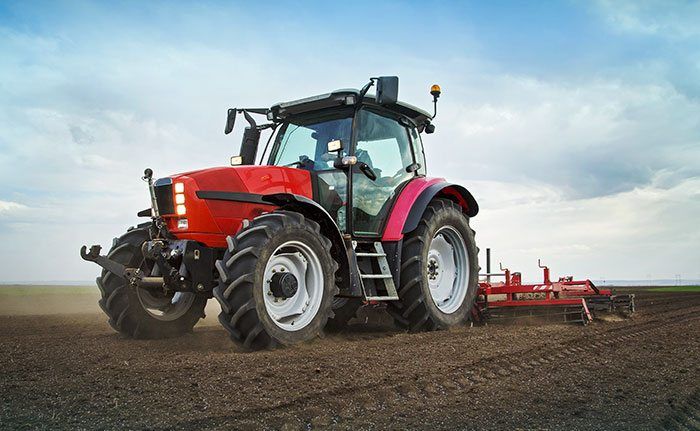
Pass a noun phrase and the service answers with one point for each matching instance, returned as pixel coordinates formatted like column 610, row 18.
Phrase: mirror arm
column 365, row 89
column 266, row 126
column 232, row 112
column 249, row 119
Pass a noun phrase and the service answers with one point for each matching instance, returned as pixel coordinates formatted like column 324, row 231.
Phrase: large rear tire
column 140, row 313
column 262, row 305
column 439, row 271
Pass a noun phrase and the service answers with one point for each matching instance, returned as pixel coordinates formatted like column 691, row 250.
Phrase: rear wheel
column 141, row 313
column 276, row 281
column 439, row 270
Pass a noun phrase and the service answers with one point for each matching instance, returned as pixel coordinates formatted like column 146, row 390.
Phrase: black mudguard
column 437, row 190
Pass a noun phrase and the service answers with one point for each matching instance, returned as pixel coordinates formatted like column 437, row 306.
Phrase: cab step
column 385, row 274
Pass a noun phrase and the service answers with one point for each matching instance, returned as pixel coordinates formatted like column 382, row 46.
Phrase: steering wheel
column 387, row 181
column 304, row 162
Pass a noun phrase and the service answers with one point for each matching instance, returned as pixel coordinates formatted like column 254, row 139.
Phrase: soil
column 71, row 371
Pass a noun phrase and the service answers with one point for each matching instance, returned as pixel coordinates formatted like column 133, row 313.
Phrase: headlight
column 180, row 198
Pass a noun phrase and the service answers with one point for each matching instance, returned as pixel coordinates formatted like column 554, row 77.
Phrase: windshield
column 306, row 142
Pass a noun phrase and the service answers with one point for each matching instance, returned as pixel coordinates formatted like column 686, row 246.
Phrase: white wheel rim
column 166, row 307
column 297, row 311
column 448, row 269
column 161, row 306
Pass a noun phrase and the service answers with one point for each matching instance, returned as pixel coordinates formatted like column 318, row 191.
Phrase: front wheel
column 439, row 270
column 142, row 313
column 277, row 281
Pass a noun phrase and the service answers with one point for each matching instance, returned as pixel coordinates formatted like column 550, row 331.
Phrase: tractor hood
column 259, row 180
column 210, row 204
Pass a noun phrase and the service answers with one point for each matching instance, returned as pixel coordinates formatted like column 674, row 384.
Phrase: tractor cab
column 359, row 152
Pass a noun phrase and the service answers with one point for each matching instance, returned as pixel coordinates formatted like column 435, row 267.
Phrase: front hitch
column 133, row 276
column 93, row 255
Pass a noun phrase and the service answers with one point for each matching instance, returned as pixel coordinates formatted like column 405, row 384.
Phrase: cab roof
column 345, row 97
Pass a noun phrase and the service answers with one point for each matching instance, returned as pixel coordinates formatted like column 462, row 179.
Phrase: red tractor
column 338, row 212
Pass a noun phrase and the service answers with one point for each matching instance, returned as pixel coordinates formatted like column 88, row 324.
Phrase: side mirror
column 249, row 145
column 387, row 90
column 230, row 121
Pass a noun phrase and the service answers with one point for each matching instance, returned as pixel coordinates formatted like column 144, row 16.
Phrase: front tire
column 277, row 281
column 138, row 313
column 439, row 271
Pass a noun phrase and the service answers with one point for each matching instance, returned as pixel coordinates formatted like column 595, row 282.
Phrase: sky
column 575, row 124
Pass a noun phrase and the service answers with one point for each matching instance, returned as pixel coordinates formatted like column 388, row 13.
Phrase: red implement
column 573, row 300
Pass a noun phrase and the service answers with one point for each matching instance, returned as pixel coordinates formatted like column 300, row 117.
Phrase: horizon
column 575, row 125
column 598, row 282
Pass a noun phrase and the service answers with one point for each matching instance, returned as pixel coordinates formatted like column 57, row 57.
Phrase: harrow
column 565, row 300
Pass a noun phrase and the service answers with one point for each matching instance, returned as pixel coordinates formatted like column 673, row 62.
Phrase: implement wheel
column 142, row 313
column 277, row 281
column 439, row 270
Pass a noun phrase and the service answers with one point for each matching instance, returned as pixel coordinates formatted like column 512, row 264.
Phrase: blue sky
column 576, row 124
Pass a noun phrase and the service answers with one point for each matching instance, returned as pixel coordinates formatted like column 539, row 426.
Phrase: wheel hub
column 293, row 289
column 283, row 285
column 433, row 267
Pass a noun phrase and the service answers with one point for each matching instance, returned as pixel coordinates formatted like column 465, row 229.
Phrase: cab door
column 303, row 143
column 381, row 142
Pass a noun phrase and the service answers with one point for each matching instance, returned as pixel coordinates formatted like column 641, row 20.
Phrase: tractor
column 337, row 211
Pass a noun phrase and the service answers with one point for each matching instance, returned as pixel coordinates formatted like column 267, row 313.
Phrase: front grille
column 164, row 197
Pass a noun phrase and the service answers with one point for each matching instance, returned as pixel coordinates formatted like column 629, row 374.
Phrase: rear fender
column 414, row 199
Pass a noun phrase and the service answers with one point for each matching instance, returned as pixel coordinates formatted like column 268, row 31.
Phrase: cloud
column 672, row 19
column 10, row 207
column 650, row 229
column 596, row 172
column 586, row 139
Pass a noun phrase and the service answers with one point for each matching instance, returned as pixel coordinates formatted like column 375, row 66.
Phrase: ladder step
column 383, row 276
column 382, row 298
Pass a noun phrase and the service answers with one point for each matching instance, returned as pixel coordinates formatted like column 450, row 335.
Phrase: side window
column 418, row 151
column 384, row 145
